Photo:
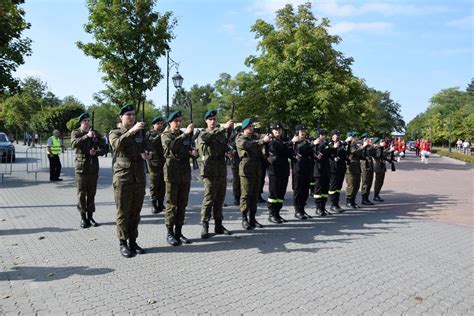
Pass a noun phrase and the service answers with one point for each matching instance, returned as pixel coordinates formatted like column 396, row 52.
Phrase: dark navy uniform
column 302, row 173
column 321, row 174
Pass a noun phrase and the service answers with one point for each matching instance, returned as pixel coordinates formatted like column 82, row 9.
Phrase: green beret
column 157, row 119
column 174, row 115
column 83, row 116
column 375, row 140
column 354, row 133
column 210, row 113
column 126, row 108
column 246, row 123
column 364, row 135
column 349, row 134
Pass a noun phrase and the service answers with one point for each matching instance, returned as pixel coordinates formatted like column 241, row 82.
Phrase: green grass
column 454, row 154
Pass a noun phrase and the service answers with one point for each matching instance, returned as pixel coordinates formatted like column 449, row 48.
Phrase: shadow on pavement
column 24, row 231
column 46, row 274
column 319, row 232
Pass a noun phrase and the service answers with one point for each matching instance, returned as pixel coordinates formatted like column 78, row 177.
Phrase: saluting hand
column 267, row 138
column 348, row 139
column 146, row 155
column 91, row 134
column 229, row 124
column 92, row 152
column 295, row 139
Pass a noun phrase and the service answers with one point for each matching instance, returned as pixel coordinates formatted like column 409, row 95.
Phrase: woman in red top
column 425, row 148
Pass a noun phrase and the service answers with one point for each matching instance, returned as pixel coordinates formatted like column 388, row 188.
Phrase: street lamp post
column 450, row 129
column 168, row 68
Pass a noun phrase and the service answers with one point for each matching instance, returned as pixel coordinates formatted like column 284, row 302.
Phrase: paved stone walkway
column 412, row 254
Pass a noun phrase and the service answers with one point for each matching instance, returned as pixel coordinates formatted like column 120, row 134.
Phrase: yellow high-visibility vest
column 56, row 145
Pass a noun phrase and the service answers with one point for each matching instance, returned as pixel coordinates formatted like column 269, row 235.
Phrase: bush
column 454, row 154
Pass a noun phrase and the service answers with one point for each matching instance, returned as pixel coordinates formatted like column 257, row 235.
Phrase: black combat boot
column 205, row 230
column 134, row 247
column 273, row 217
column 245, row 222
column 85, row 223
column 179, row 235
column 253, row 222
column 161, row 206
column 323, row 206
column 365, row 200
column 354, row 204
column 219, row 229
column 378, row 199
column 124, row 250
column 236, row 200
column 155, row 209
column 170, row 237
column 91, row 219
column 261, row 199
column 319, row 209
column 279, row 216
column 300, row 214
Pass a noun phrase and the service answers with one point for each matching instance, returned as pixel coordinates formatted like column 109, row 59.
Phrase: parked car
column 411, row 145
column 7, row 149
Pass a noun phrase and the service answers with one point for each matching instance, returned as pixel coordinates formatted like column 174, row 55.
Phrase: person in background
column 55, row 148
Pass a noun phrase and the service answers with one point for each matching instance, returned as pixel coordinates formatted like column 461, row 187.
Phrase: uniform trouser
column 250, row 189
column 128, row 200
column 321, row 188
column 367, row 178
column 277, row 189
column 312, row 184
column 86, row 188
column 236, row 181
column 214, row 196
column 262, row 178
column 157, row 186
column 336, row 179
column 379, row 179
column 54, row 167
column 178, row 194
column 300, row 190
column 353, row 185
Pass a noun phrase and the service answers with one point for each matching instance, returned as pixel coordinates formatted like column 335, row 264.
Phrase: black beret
column 257, row 130
column 157, row 119
column 299, row 127
column 174, row 115
column 322, row 131
column 210, row 113
column 335, row 131
column 126, row 108
column 276, row 126
column 83, row 116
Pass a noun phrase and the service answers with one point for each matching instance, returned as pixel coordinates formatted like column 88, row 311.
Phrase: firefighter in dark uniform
column 88, row 145
column 321, row 172
column 367, row 170
column 177, row 170
column 129, row 178
column 155, row 166
column 250, row 149
column 302, row 172
column 355, row 154
column 279, row 154
column 258, row 134
column 235, row 165
column 212, row 147
column 381, row 155
column 337, row 169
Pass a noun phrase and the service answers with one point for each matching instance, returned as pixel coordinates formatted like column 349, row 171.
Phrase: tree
column 129, row 37
column 299, row 76
column 13, row 47
column 201, row 98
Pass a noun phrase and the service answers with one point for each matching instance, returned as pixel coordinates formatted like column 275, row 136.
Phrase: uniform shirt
column 322, row 155
column 84, row 162
column 355, row 154
column 278, row 154
column 212, row 145
column 176, row 148
column 157, row 160
column 129, row 167
column 303, row 163
column 380, row 156
column 338, row 157
column 250, row 149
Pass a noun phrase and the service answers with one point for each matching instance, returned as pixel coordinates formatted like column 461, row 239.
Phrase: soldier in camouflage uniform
column 88, row 145
column 250, row 152
column 212, row 147
column 155, row 166
column 355, row 154
column 129, row 178
column 367, row 171
column 235, row 165
column 177, row 171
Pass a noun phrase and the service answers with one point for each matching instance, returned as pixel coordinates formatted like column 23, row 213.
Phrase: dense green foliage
column 450, row 109
column 129, row 38
column 13, row 47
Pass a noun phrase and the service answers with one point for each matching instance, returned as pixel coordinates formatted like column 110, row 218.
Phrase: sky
column 413, row 49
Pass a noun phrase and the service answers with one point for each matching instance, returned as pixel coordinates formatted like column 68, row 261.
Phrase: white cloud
column 269, row 7
column 463, row 23
column 373, row 27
